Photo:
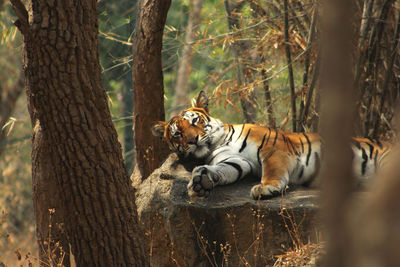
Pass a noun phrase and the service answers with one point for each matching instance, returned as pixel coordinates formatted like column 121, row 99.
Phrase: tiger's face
column 192, row 132
column 186, row 134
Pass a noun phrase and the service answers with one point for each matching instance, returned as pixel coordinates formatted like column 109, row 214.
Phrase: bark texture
column 50, row 231
column 67, row 100
column 148, row 88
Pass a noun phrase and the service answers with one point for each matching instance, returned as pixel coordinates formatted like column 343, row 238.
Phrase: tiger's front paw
column 203, row 181
column 264, row 191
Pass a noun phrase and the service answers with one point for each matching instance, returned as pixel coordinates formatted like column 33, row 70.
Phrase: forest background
column 258, row 60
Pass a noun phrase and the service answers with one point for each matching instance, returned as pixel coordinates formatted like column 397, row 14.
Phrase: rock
column 226, row 228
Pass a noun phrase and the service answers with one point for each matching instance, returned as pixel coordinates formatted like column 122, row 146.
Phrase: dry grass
column 300, row 253
column 21, row 248
column 306, row 255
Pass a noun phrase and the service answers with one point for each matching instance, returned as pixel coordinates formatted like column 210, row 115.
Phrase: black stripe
column 229, row 131
column 244, row 144
column 301, row 172
column 240, row 132
column 286, row 142
column 375, row 141
column 371, row 150
column 269, row 135
column 259, row 148
column 309, row 148
column 364, row 163
column 379, row 144
column 213, row 158
column 276, row 136
column 302, row 145
column 221, row 151
column 233, row 131
column 357, row 144
column 291, row 144
column 236, row 166
column 317, row 161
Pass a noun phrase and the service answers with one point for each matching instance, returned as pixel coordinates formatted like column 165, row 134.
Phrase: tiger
column 234, row 151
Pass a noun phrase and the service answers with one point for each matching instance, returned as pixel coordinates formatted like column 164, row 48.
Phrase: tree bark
column 182, row 84
column 148, row 86
column 336, row 124
column 67, row 100
column 53, row 243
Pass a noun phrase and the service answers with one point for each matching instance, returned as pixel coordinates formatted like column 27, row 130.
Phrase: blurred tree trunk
column 337, row 96
column 67, row 101
column 148, row 88
column 185, row 64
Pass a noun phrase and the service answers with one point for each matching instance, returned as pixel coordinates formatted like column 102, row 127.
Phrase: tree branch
column 22, row 22
column 290, row 67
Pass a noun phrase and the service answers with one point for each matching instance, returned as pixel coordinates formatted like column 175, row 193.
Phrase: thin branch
column 373, row 59
column 362, row 48
column 290, row 68
column 314, row 79
column 310, row 39
column 388, row 75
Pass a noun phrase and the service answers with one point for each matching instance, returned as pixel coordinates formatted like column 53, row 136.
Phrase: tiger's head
column 193, row 132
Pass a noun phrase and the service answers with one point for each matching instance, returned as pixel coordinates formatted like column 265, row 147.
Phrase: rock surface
column 227, row 228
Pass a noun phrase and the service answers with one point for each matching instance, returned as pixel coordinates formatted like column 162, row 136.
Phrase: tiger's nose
column 193, row 140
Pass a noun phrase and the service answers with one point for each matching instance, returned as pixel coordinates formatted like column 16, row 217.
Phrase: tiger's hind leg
column 275, row 176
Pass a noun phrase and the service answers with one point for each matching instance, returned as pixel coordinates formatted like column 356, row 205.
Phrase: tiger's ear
column 202, row 101
column 158, row 129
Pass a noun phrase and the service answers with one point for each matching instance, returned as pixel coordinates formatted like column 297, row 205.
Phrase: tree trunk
column 148, row 86
column 182, row 84
column 67, row 100
column 50, row 230
column 336, row 124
